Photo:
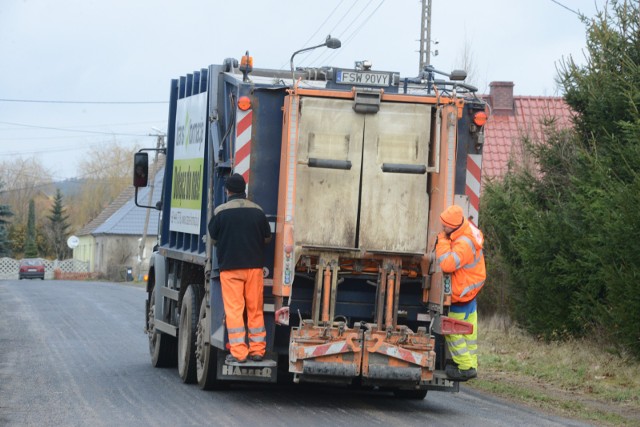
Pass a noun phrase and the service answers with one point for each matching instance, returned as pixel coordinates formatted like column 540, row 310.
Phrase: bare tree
column 466, row 60
column 106, row 172
column 24, row 178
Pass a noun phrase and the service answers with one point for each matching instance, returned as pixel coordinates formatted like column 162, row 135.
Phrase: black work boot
column 470, row 373
column 455, row 374
column 231, row 359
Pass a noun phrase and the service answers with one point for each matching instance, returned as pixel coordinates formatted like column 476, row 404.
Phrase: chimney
column 501, row 96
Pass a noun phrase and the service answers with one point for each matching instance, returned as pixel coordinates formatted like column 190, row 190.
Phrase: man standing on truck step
column 240, row 231
column 459, row 253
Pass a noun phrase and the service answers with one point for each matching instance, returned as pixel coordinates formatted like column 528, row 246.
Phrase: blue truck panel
column 187, row 243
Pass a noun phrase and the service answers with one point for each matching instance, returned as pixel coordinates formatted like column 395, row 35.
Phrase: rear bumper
column 31, row 275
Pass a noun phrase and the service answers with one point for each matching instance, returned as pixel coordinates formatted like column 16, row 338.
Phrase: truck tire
column 187, row 333
column 206, row 356
column 162, row 347
column 410, row 394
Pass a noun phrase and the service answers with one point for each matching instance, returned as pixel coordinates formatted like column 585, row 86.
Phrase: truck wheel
column 206, row 356
column 187, row 334
column 162, row 347
column 410, row 394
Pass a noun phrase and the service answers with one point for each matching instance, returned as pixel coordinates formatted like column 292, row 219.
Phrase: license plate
column 33, row 269
column 363, row 78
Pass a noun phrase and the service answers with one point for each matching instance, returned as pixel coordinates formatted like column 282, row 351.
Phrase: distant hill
column 69, row 187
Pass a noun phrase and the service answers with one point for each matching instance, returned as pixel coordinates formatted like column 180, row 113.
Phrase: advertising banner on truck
column 188, row 165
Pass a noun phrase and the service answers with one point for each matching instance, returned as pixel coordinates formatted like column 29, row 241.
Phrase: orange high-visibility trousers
column 240, row 288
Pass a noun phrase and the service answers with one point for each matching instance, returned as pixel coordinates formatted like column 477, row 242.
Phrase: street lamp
column 330, row 42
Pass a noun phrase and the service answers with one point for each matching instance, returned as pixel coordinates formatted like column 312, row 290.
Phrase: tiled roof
column 117, row 203
column 129, row 218
column 126, row 198
column 504, row 132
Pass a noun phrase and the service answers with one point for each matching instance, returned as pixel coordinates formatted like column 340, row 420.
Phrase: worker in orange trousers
column 240, row 231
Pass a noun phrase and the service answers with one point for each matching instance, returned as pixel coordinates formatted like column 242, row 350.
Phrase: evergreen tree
column 31, row 249
column 58, row 227
column 5, row 244
column 569, row 232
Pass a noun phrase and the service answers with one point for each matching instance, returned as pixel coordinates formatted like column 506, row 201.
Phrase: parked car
column 31, row 268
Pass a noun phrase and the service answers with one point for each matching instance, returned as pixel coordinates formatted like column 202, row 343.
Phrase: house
column 514, row 118
column 110, row 243
column 85, row 251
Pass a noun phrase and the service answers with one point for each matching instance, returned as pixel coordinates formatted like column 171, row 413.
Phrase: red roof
column 505, row 130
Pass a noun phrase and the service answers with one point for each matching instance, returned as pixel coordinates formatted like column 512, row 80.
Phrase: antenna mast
column 425, row 35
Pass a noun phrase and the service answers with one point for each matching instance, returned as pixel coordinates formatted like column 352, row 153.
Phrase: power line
column 337, row 24
column 40, row 138
column 316, row 32
column 86, row 175
column 566, row 7
column 52, row 150
column 332, row 54
column 42, row 101
column 71, row 130
column 321, row 25
column 101, row 125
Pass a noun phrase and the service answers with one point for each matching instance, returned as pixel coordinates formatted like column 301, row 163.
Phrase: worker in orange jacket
column 240, row 231
column 459, row 253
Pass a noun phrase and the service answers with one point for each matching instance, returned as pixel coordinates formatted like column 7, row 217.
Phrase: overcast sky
column 123, row 51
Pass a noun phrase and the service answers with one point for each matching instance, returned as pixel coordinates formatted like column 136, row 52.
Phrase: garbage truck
column 352, row 167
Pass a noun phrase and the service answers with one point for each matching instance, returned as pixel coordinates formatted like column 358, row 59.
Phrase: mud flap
column 264, row 371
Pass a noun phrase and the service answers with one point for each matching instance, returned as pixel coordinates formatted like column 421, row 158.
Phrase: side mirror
column 140, row 169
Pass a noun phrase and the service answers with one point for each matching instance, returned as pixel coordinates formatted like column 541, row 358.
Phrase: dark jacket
column 240, row 230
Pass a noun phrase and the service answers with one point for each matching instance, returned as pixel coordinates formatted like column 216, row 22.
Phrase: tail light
column 480, row 118
column 244, row 103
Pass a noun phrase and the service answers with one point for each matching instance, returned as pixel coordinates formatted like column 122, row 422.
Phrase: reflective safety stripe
column 473, row 351
column 236, row 330
column 457, row 342
column 256, row 330
column 459, row 352
column 472, row 342
column 257, row 339
column 470, row 243
column 455, row 257
column 475, row 261
column 470, row 288
column 236, row 340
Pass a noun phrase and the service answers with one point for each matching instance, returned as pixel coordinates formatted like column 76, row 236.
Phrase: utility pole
column 425, row 35
column 143, row 240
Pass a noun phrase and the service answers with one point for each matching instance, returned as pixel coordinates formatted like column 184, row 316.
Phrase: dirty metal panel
column 395, row 202
column 328, row 173
column 396, row 356
column 330, row 351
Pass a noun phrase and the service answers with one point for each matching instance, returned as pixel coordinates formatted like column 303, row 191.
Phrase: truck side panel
column 188, row 246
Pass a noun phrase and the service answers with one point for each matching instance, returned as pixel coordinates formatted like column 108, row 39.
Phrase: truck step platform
column 265, row 363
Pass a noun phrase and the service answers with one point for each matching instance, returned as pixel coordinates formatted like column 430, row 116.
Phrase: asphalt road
column 75, row 354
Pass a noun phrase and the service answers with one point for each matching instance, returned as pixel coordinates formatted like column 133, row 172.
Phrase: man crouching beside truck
column 459, row 253
column 240, row 231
